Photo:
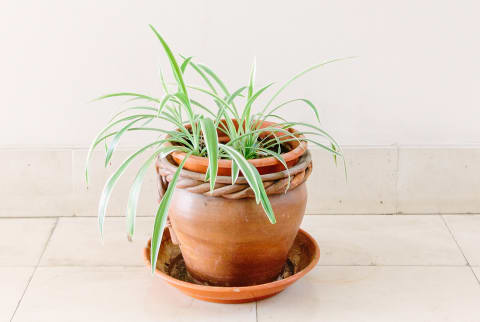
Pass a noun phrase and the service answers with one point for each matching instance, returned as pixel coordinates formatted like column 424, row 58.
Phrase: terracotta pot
column 263, row 165
column 230, row 242
column 305, row 254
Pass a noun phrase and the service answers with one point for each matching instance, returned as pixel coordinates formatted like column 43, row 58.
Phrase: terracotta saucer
column 303, row 256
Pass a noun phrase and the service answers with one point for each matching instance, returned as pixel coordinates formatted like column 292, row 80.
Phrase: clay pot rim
column 293, row 154
column 222, row 289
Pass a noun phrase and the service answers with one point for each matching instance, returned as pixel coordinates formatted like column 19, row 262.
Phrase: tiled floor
column 372, row 268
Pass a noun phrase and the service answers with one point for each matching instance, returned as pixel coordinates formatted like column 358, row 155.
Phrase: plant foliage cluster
column 194, row 129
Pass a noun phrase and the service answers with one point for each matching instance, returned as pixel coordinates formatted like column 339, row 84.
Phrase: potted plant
column 241, row 193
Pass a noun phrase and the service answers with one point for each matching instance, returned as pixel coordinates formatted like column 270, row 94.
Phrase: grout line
column 256, row 311
column 454, row 239
column 318, row 213
column 71, row 216
column 318, row 265
column 55, row 147
column 321, row 265
column 397, row 178
column 389, row 265
column 35, row 268
column 92, row 266
column 308, row 213
column 476, row 276
column 460, row 248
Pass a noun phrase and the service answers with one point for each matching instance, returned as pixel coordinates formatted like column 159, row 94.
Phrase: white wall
column 416, row 81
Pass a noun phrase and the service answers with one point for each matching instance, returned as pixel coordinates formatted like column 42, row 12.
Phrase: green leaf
column 238, row 92
column 203, row 107
column 181, row 84
column 116, row 139
column 163, row 102
column 267, row 207
column 201, row 73
column 300, row 75
column 334, row 148
column 173, row 62
column 323, row 132
column 216, row 99
column 277, row 117
column 254, row 180
column 142, row 108
column 248, row 107
column 279, row 157
column 258, row 131
column 110, row 184
column 246, row 168
column 164, row 84
column 137, row 186
column 200, row 68
column 161, row 216
column 235, row 172
column 175, row 135
column 96, row 141
column 211, row 142
column 183, row 99
column 252, row 79
column 323, row 146
column 141, row 96
column 308, row 102
column 215, row 78
column 185, row 64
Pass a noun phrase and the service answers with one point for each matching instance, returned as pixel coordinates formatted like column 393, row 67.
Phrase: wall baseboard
column 381, row 180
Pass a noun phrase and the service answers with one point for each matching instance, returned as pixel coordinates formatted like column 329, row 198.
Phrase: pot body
column 229, row 242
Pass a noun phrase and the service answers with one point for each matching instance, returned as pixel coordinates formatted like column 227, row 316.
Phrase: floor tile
column 378, row 294
column 330, row 192
column 476, row 270
column 383, row 240
column 116, row 294
column 466, row 229
column 23, row 240
column 13, row 281
column 77, row 242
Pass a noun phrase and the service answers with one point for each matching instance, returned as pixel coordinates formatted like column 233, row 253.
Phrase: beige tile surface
column 23, row 240
column 77, row 241
column 13, row 281
column 439, row 180
column 383, row 240
column 50, row 182
column 370, row 187
column 116, row 294
column 466, row 229
column 85, row 201
column 381, row 294
column 35, row 182
column 476, row 270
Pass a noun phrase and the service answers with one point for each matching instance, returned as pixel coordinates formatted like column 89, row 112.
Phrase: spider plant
column 194, row 131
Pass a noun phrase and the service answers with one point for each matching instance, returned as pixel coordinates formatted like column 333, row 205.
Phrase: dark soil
column 284, row 148
column 179, row 271
column 170, row 260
